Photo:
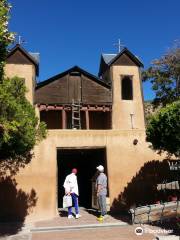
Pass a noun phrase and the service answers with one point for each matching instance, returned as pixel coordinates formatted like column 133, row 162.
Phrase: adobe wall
column 123, row 161
column 23, row 71
column 123, row 108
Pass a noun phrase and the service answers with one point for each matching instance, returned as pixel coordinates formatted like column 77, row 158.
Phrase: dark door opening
column 85, row 160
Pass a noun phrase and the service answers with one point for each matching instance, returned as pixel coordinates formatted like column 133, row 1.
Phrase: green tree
column 164, row 74
column 163, row 129
column 6, row 37
column 20, row 129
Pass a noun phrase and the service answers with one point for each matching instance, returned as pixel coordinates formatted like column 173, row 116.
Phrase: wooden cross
column 119, row 45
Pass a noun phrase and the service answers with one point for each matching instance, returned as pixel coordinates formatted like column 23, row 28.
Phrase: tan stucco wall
column 23, row 71
column 123, row 108
column 123, row 160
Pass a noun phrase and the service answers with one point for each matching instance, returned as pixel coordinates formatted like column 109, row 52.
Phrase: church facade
column 91, row 120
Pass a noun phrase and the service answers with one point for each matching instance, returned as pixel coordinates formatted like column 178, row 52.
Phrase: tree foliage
column 163, row 129
column 164, row 74
column 20, row 129
column 6, row 37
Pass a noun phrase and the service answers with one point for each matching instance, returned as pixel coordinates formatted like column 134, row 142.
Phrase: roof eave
column 93, row 77
column 16, row 47
column 132, row 56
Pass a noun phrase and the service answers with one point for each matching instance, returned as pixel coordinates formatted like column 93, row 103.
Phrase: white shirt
column 70, row 184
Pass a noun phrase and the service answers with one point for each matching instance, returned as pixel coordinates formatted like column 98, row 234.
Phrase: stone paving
column 119, row 233
column 88, row 217
column 85, row 228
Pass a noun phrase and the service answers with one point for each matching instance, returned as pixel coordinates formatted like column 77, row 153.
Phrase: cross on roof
column 20, row 40
column 119, row 45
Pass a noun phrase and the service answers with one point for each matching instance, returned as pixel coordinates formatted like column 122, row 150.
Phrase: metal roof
column 108, row 57
column 36, row 56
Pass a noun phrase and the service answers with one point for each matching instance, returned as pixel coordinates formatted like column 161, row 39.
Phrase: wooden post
column 63, row 119
column 87, row 119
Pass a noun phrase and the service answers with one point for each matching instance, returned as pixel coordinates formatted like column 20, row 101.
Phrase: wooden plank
column 87, row 119
column 65, row 88
column 64, row 119
column 55, row 92
column 96, row 108
column 124, row 60
column 19, row 58
column 94, row 93
column 74, row 88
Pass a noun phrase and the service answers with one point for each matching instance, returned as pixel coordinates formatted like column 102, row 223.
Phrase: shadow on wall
column 15, row 205
column 142, row 189
column 11, row 166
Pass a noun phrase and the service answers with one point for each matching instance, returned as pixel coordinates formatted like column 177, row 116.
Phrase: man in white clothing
column 71, row 188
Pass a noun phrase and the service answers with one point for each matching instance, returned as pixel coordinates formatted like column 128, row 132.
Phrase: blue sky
column 69, row 32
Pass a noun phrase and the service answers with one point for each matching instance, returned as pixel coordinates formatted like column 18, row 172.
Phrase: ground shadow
column 142, row 190
column 92, row 211
column 15, row 205
column 170, row 224
column 63, row 213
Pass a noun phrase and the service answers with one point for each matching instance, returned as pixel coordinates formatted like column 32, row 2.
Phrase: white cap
column 100, row 168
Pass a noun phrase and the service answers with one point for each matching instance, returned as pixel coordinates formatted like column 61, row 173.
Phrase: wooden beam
column 98, row 108
column 63, row 119
column 87, row 119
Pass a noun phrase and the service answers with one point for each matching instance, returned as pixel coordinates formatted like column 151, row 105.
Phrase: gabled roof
column 32, row 57
column 130, row 54
column 73, row 69
column 109, row 59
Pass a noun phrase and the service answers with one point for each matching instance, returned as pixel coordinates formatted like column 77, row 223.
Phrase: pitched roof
column 73, row 69
column 32, row 57
column 75, row 83
column 35, row 56
column 130, row 54
column 108, row 59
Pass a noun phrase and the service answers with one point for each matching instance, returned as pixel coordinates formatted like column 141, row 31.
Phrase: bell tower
column 123, row 72
column 22, row 64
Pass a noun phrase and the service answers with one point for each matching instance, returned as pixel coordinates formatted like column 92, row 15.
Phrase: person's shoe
column 105, row 216
column 78, row 216
column 100, row 218
column 70, row 216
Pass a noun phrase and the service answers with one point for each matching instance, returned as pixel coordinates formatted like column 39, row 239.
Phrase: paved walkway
column 85, row 228
column 88, row 217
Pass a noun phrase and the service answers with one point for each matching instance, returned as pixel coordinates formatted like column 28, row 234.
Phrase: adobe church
column 91, row 120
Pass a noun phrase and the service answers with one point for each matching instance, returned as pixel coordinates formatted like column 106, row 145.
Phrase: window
column 126, row 88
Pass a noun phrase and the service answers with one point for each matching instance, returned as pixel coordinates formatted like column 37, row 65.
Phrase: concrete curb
column 169, row 237
column 76, row 227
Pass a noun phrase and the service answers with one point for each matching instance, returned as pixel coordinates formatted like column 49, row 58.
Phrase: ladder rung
column 76, row 114
column 76, row 105
column 75, row 118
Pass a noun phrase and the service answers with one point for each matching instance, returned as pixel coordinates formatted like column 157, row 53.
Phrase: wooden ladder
column 76, row 115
